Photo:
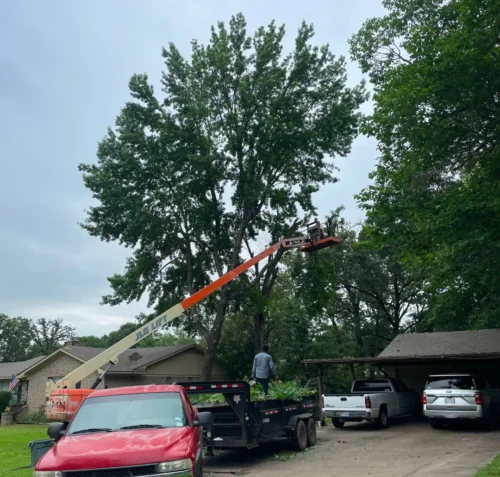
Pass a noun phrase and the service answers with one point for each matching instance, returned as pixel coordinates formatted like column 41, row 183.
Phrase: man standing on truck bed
column 263, row 366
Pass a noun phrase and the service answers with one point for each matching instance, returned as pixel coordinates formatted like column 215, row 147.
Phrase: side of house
column 20, row 394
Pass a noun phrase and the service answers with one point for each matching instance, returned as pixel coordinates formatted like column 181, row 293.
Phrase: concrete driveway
column 406, row 449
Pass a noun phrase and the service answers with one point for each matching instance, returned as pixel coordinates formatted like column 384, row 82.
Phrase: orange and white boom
column 110, row 355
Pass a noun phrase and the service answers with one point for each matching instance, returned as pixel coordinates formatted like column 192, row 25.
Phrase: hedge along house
column 162, row 365
column 20, row 394
column 413, row 357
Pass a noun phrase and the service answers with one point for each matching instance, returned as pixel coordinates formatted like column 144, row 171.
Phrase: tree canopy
column 242, row 138
column 435, row 67
column 22, row 338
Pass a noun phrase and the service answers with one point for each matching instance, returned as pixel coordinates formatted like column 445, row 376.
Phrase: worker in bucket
column 315, row 232
column 263, row 367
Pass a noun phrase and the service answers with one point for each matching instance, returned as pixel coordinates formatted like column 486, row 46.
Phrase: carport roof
column 454, row 343
column 425, row 347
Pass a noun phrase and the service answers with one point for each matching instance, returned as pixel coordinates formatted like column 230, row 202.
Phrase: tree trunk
column 213, row 339
column 208, row 361
column 259, row 324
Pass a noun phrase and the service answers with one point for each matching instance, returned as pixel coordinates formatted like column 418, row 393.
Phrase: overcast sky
column 64, row 70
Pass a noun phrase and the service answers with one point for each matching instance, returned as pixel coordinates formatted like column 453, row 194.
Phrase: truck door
column 405, row 397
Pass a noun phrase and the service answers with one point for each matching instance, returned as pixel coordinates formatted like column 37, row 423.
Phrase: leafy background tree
column 435, row 69
column 22, row 338
column 241, row 140
column 15, row 338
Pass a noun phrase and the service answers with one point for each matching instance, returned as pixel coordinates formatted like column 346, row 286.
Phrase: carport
column 413, row 357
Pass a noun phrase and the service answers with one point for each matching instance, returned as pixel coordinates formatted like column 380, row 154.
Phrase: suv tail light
column 368, row 402
column 479, row 398
column 424, row 398
column 322, row 402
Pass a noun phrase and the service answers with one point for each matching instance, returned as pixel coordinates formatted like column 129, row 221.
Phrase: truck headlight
column 175, row 465
column 47, row 473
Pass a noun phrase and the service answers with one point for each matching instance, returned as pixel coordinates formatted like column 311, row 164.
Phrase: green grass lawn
column 491, row 470
column 14, row 450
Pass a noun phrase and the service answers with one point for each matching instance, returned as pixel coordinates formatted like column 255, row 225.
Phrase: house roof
column 9, row 369
column 131, row 361
column 442, row 344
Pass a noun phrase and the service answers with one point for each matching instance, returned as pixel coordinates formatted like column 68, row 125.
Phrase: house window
column 16, row 395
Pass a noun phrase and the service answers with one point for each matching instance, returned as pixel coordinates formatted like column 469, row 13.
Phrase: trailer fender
column 292, row 422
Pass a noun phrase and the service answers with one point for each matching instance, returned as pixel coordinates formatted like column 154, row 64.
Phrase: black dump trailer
column 241, row 423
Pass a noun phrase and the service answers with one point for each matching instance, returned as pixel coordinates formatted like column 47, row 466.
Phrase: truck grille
column 116, row 472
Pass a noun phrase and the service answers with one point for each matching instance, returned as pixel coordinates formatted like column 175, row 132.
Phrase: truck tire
column 383, row 419
column 338, row 423
column 311, row 432
column 299, row 437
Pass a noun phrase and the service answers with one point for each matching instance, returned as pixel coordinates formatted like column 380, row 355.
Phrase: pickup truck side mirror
column 56, row 430
column 203, row 419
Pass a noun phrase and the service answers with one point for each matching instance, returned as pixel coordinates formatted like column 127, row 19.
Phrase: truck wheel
column 383, row 419
column 311, row 432
column 299, row 437
column 338, row 423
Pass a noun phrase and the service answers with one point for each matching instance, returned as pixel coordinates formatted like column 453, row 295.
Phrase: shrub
column 277, row 390
column 37, row 417
column 5, row 398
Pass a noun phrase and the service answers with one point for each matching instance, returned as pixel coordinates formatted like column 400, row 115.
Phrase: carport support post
column 351, row 368
column 320, row 391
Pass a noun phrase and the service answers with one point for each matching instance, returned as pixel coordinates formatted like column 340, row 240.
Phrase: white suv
column 460, row 396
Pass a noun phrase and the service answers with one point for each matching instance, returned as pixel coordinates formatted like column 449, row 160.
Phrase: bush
column 37, row 417
column 5, row 398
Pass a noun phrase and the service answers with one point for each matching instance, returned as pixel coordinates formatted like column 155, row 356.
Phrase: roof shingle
column 9, row 369
column 454, row 343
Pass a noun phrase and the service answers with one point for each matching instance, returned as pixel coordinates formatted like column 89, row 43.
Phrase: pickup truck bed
column 374, row 400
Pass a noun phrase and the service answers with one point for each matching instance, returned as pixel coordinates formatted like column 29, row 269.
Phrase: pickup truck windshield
column 450, row 382
column 371, row 386
column 132, row 411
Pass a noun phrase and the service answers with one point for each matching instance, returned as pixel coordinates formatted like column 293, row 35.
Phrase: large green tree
column 23, row 338
column 435, row 67
column 47, row 335
column 15, row 338
column 241, row 139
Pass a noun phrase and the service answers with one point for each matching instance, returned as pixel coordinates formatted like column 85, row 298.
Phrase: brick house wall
column 185, row 366
column 58, row 368
column 182, row 367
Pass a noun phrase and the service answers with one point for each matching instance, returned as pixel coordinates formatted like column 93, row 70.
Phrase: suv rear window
column 372, row 385
column 450, row 382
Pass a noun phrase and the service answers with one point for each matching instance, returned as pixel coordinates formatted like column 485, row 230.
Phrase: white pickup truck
column 373, row 400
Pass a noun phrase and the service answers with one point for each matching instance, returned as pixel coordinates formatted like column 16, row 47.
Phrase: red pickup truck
column 131, row 431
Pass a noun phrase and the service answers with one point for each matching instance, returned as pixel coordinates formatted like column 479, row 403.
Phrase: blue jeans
column 265, row 384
